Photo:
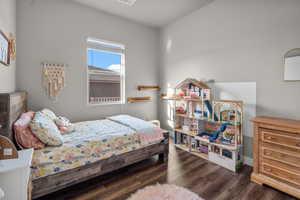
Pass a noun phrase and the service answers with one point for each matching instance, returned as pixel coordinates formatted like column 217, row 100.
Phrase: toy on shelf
column 228, row 111
column 189, row 125
column 228, row 138
column 210, row 109
column 210, row 129
column 193, row 144
column 181, row 95
column 198, row 112
column 215, row 149
column 194, row 126
column 214, row 135
column 181, row 109
column 203, row 148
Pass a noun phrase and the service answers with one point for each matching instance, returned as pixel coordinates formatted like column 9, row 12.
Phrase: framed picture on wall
column 4, row 49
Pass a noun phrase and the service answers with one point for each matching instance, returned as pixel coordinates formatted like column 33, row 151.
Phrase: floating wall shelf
column 138, row 99
column 148, row 88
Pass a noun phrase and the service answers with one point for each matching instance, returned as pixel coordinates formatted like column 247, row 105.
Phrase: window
column 106, row 72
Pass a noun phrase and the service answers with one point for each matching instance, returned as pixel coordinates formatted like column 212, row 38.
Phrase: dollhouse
column 210, row 129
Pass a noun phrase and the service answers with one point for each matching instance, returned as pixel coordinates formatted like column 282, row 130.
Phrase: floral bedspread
column 91, row 141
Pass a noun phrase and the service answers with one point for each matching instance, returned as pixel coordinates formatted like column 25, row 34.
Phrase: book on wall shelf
column 209, row 129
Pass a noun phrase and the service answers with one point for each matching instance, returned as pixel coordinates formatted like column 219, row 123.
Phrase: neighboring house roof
column 100, row 78
column 195, row 82
column 100, row 75
column 99, row 69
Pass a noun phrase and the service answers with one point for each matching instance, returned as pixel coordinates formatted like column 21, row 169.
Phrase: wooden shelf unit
column 201, row 114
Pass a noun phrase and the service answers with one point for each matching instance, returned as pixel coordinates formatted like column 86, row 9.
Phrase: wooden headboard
column 12, row 105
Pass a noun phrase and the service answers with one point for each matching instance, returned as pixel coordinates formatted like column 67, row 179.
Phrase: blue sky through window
column 104, row 60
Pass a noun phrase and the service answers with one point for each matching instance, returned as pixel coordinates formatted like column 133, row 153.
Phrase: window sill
column 106, row 103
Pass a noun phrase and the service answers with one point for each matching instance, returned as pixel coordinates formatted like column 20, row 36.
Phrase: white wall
column 7, row 25
column 228, row 41
column 56, row 31
column 236, row 41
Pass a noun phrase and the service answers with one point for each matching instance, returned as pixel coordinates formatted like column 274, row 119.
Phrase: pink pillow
column 23, row 135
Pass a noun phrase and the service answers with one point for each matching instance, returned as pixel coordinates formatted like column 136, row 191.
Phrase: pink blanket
column 147, row 139
column 148, row 132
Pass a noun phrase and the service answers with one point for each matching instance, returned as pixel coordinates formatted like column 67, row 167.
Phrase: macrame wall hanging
column 53, row 79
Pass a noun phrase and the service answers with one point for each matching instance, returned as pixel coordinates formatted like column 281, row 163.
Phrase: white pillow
column 44, row 128
column 49, row 113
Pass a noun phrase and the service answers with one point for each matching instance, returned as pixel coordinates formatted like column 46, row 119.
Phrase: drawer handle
column 269, row 138
column 298, row 144
column 268, row 169
column 268, row 153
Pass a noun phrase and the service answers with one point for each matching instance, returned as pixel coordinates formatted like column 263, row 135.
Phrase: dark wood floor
column 208, row 180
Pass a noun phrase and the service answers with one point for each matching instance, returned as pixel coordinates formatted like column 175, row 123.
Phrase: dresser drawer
column 280, row 138
column 281, row 156
column 281, row 174
column 278, row 164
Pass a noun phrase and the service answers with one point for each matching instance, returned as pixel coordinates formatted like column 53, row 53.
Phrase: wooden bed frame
column 48, row 184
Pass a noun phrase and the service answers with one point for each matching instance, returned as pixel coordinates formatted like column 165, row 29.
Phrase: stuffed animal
column 180, row 110
column 181, row 94
column 194, row 95
column 64, row 125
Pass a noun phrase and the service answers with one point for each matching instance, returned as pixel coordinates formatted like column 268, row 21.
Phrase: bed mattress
column 91, row 141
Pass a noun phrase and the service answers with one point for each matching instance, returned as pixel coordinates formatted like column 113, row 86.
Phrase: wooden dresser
column 276, row 154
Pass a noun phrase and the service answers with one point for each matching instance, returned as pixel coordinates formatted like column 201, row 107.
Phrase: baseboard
column 248, row 161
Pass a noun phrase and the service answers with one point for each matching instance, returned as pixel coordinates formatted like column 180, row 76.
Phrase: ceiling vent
column 127, row 2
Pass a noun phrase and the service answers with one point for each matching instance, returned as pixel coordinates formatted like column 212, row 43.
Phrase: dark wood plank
column 208, row 180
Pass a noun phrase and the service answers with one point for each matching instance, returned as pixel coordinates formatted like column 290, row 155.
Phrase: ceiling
column 156, row 13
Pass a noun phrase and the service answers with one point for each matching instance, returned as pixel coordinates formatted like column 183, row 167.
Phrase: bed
column 94, row 148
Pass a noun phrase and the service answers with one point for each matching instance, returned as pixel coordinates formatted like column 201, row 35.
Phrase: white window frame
column 109, row 47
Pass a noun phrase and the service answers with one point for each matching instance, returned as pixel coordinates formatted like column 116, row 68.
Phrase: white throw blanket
column 148, row 132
